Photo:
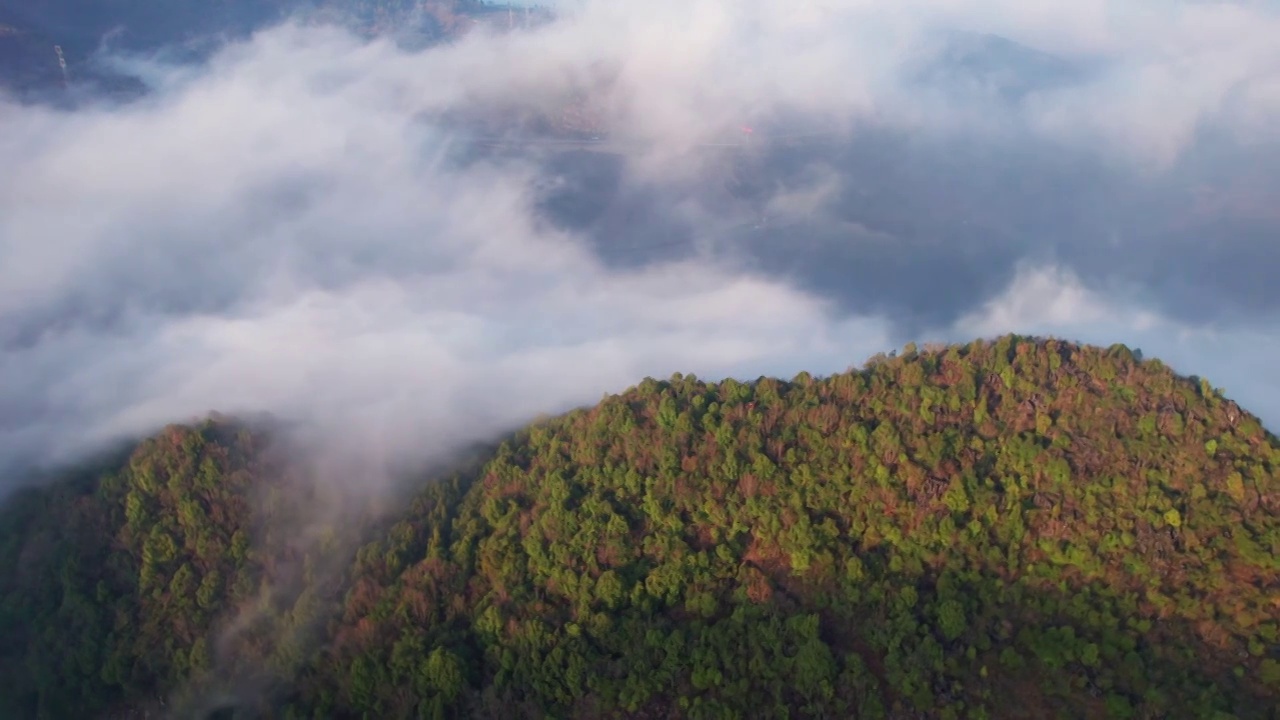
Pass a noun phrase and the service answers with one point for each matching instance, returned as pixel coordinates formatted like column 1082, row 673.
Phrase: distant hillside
column 27, row 59
column 29, row 29
column 996, row 65
column 1016, row 528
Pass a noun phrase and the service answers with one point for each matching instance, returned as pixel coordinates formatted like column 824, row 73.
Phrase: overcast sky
column 294, row 227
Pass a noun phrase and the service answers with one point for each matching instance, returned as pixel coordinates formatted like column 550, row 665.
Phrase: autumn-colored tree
column 1010, row 528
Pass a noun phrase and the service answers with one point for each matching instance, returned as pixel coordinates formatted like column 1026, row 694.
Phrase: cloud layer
column 302, row 224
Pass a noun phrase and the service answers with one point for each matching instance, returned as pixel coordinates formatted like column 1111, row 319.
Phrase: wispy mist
column 304, row 224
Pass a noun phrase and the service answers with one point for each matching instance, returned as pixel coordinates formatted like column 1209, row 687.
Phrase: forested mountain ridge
column 1012, row 528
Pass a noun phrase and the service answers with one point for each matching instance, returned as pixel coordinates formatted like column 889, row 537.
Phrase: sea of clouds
column 296, row 225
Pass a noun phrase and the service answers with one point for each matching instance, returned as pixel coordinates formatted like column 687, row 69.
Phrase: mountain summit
column 1018, row 528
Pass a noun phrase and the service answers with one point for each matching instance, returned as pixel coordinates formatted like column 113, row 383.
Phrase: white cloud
column 285, row 230
column 329, row 264
column 1048, row 297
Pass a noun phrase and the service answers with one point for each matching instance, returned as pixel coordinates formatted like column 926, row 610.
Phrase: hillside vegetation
column 1012, row 529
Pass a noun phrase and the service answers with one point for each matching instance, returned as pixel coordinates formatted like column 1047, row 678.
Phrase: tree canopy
column 1017, row 528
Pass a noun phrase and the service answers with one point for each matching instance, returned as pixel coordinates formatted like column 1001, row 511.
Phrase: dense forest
column 1017, row 528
